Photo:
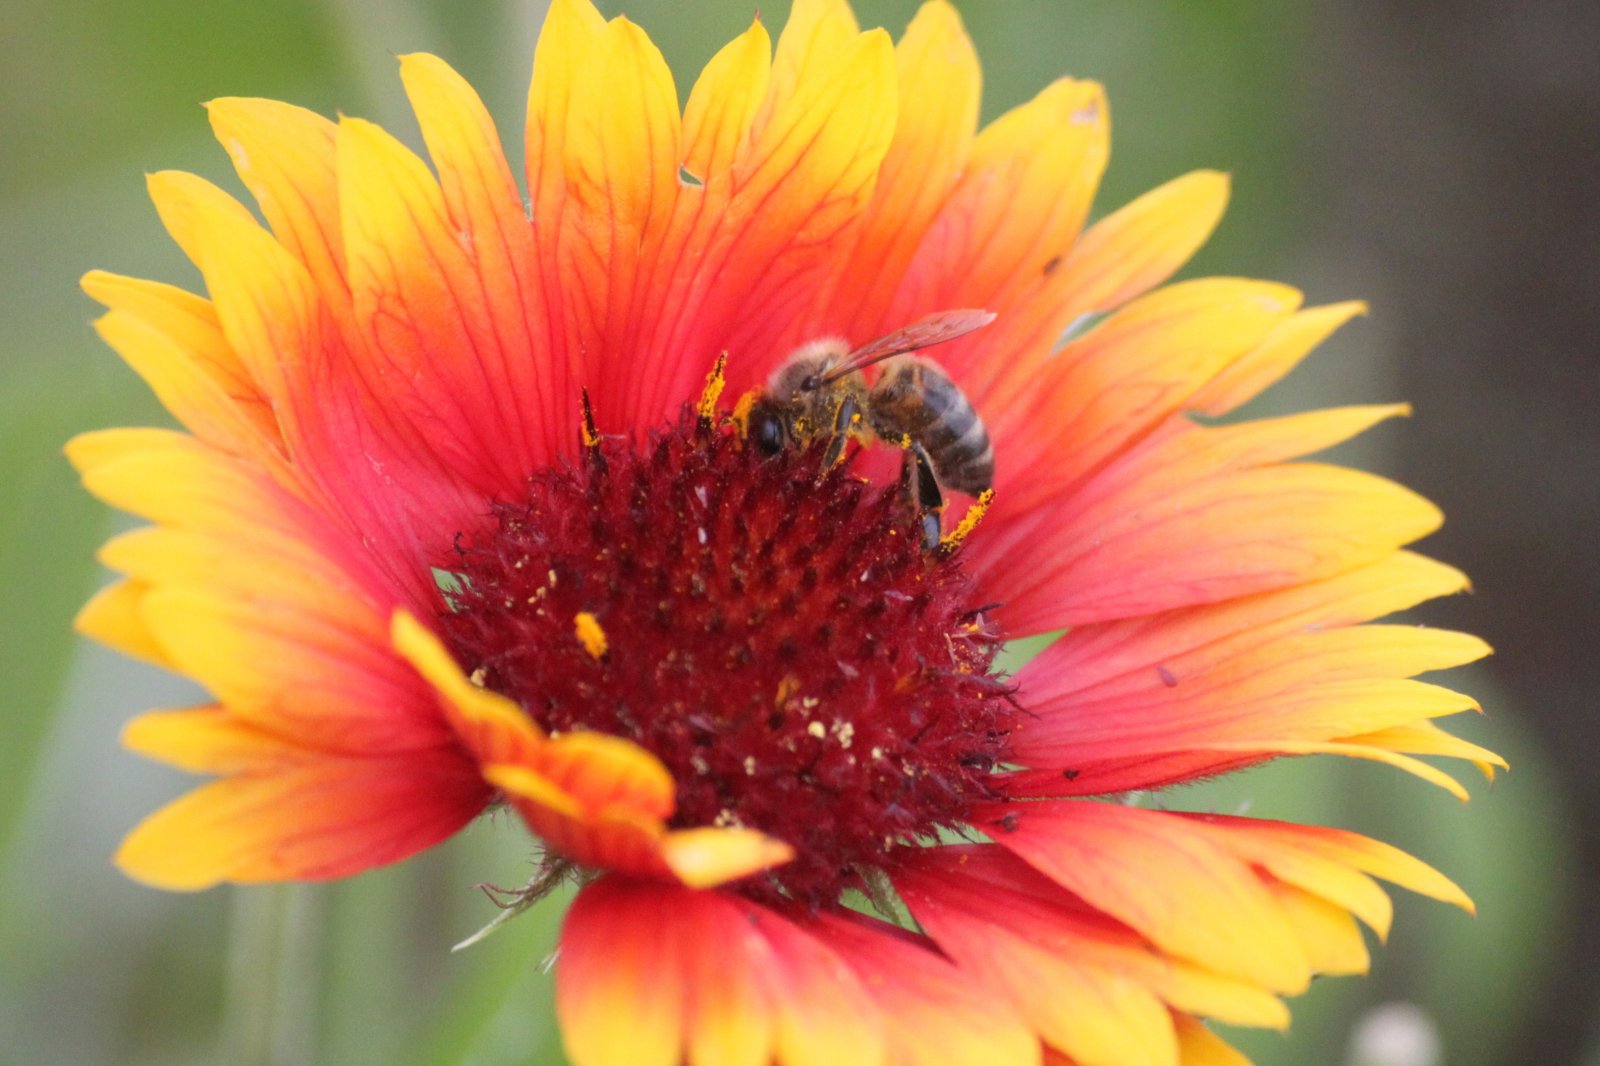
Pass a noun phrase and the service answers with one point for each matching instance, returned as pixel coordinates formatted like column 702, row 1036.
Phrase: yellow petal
column 1199, row 1046
column 188, row 323
column 325, row 818
column 196, row 398
column 1137, row 247
column 285, row 156
column 703, row 858
column 112, row 617
column 722, row 106
column 816, row 33
column 264, row 298
column 1278, row 354
column 210, row 740
column 1327, row 932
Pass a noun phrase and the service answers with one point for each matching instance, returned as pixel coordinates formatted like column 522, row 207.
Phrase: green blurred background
column 1433, row 158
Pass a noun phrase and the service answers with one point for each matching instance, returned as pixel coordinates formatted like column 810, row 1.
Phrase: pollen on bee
column 590, row 634
column 740, row 416
column 969, row 521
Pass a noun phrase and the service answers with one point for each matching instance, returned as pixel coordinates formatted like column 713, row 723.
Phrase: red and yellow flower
column 735, row 690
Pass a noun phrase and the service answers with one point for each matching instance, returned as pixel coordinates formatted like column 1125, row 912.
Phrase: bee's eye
column 766, row 429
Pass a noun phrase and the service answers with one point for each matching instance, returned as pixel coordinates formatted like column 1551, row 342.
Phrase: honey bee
column 820, row 391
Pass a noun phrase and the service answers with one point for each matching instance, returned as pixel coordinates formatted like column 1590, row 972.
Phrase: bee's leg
column 923, row 492
column 843, row 419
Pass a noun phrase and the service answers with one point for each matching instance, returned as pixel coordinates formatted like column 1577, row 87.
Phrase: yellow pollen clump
column 741, row 411
column 969, row 521
column 590, row 634
column 706, row 409
column 817, row 729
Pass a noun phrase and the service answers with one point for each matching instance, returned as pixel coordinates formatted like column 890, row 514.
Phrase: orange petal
column 190, row 321
column 1096, row 1014
column 715, row 977
column 321, row 819
column 1255, row 750
column 1128, row 652
column 749, row 254
column 599, row 800
column 622, row 957
column 1122, row 379
column 938, row 70
column 485, row 210
column 432, row 332
column 1215, row 538
column 707, row 857
column 171, row 478
column 293, row 671
column 1426, row 738
column 1169, row 883
column 932, row 1011
column 1016, row 209
column 277, row 569
column 182, row 384
column 1163, row 706
column 235, row 591
column 603, row 156
column 1282, row 849
column 991, row 897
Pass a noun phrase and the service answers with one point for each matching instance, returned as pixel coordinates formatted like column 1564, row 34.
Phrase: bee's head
column 766, row 427
column 802, row 372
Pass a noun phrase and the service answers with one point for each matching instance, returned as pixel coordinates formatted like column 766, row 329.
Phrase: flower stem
column 269, row 1011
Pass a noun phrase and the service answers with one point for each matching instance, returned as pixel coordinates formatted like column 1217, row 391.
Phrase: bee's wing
column 937, row 328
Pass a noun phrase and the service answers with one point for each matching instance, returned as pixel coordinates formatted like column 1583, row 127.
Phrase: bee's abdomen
column 919, row 400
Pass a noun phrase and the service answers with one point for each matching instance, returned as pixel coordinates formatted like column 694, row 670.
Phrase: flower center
column 774, row 630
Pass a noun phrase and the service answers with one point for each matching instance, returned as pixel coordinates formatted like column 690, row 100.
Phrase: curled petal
column 596, row 799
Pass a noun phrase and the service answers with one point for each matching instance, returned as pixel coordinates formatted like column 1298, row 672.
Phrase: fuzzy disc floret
column 774, row 631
